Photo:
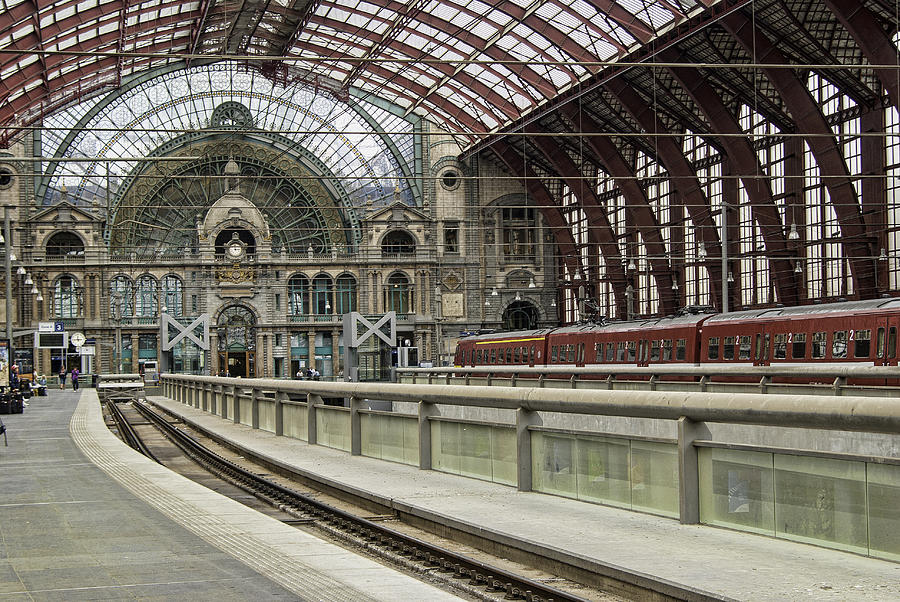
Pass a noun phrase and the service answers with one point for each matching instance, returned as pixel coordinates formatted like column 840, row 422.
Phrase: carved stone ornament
column 235, row 274
column 451, row 280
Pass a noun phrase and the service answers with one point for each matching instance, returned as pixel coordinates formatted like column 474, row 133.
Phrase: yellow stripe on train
column 508, row 341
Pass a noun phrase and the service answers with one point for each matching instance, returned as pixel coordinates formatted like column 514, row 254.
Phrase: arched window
column 298, row 295
column 520, row 315
column 397, row 243
column 519, row 233
column 323, row 289
column 398, row 294
column 66, row 297
column 146, row 299
column 345, row 295
column 236, row 329
column 244, row 235
column 64, row 244
column 121, row 298
column 173, row 295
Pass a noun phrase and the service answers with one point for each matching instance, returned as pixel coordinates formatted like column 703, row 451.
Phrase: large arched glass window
column 323, row 288
column 121, row 298
column 398, row 294
column 64, row 244
column 173, row 295
column 146, row 299
column 519, row 233
column 397, row 243
column 66, row 297
column 345, row 295
column 298, row 295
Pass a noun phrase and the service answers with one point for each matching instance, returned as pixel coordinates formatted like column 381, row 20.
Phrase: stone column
column 311, row 338
column 213, row 353
column 335, row 352
column 135, row 352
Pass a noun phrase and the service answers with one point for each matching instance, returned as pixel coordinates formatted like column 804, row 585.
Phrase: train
column 815, row 335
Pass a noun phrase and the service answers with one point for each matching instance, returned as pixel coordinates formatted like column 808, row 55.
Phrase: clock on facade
column 235, row 249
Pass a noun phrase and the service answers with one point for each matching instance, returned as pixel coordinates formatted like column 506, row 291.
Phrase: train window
column 654, row 351
column 713, row 348
column 493, row 356
column 879, row 344
column 553, row 351
column 779, row 349
column 839, row 344
column 680, row 349
column 798, row 347
column 667, row 350
column 758, row 346
column 531, row 357
column 517, row 357
column 598, row 352
column 610, row 352
column 630, row 356
column 744, row 348
column 581, row 353
column 862, row 347
column 728, row 348
column 818, row 345
column 509, row 355
column 572, row 353
column 620, row 351
column 892, row 342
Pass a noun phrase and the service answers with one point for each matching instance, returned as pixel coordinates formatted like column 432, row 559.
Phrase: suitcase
column 5, row 406
column 17, row 406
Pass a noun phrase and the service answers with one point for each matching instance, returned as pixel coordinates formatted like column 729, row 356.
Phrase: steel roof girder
column 809, row 119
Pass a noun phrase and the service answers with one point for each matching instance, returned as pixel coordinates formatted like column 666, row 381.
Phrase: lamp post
column 724, row 258
column 117, row 316
column 8, row 266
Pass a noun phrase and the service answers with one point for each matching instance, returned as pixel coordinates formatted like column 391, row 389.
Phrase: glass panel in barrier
column 411, row 441
column 445, row 446
column 603, row 471
column 475, row 451
column 295, row 422
column 370, row 435
column 246, row 407
column 333, row 428
column 266, row 415
column 553, row 467
column 392, row 438
column 654, row 477
column 737, row 489
column 821, row 500
column 503, row 453
column 884, row 510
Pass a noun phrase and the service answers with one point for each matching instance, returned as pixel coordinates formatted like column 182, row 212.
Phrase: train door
column 761, row 346
column 886, row 341
column 643, row 352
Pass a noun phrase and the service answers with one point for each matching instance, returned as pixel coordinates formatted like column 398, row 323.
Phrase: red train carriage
column 836, row 333
column 854, row 331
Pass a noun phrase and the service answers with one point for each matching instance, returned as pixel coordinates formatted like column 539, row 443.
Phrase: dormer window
column 64, row 244
column 398, row 242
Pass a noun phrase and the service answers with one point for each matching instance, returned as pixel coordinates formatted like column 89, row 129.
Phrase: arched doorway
column 520, row 315
column 237, row 342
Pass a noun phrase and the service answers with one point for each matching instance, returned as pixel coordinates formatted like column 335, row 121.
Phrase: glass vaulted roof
column 473, row 65
column 158, row 115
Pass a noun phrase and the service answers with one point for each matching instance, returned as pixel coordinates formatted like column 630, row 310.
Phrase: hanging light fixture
column 487, row 302
column 28, row 280
column 883, row 256
column 20, row 271
column 674, row 285
column 631, row 265
column 39, row 297
column 730, row 277
column 701, row 251
column 34, row 290
column 531, row 283
column 494, row 292
column 2, row 240
column 553, row 302
column 798, row 269
column 793, row 234
column 518, row 296
column 12, row 257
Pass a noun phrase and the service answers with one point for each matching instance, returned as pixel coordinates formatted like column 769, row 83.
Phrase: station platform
column 84, row 517
column 713, row 563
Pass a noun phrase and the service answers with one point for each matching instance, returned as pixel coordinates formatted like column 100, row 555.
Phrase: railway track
column 457, row 570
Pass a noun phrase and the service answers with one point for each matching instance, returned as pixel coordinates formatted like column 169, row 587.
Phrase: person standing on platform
column 75, row 375
column 62, row 378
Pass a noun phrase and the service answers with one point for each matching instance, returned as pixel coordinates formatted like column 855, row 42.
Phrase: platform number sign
column 59, row 327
